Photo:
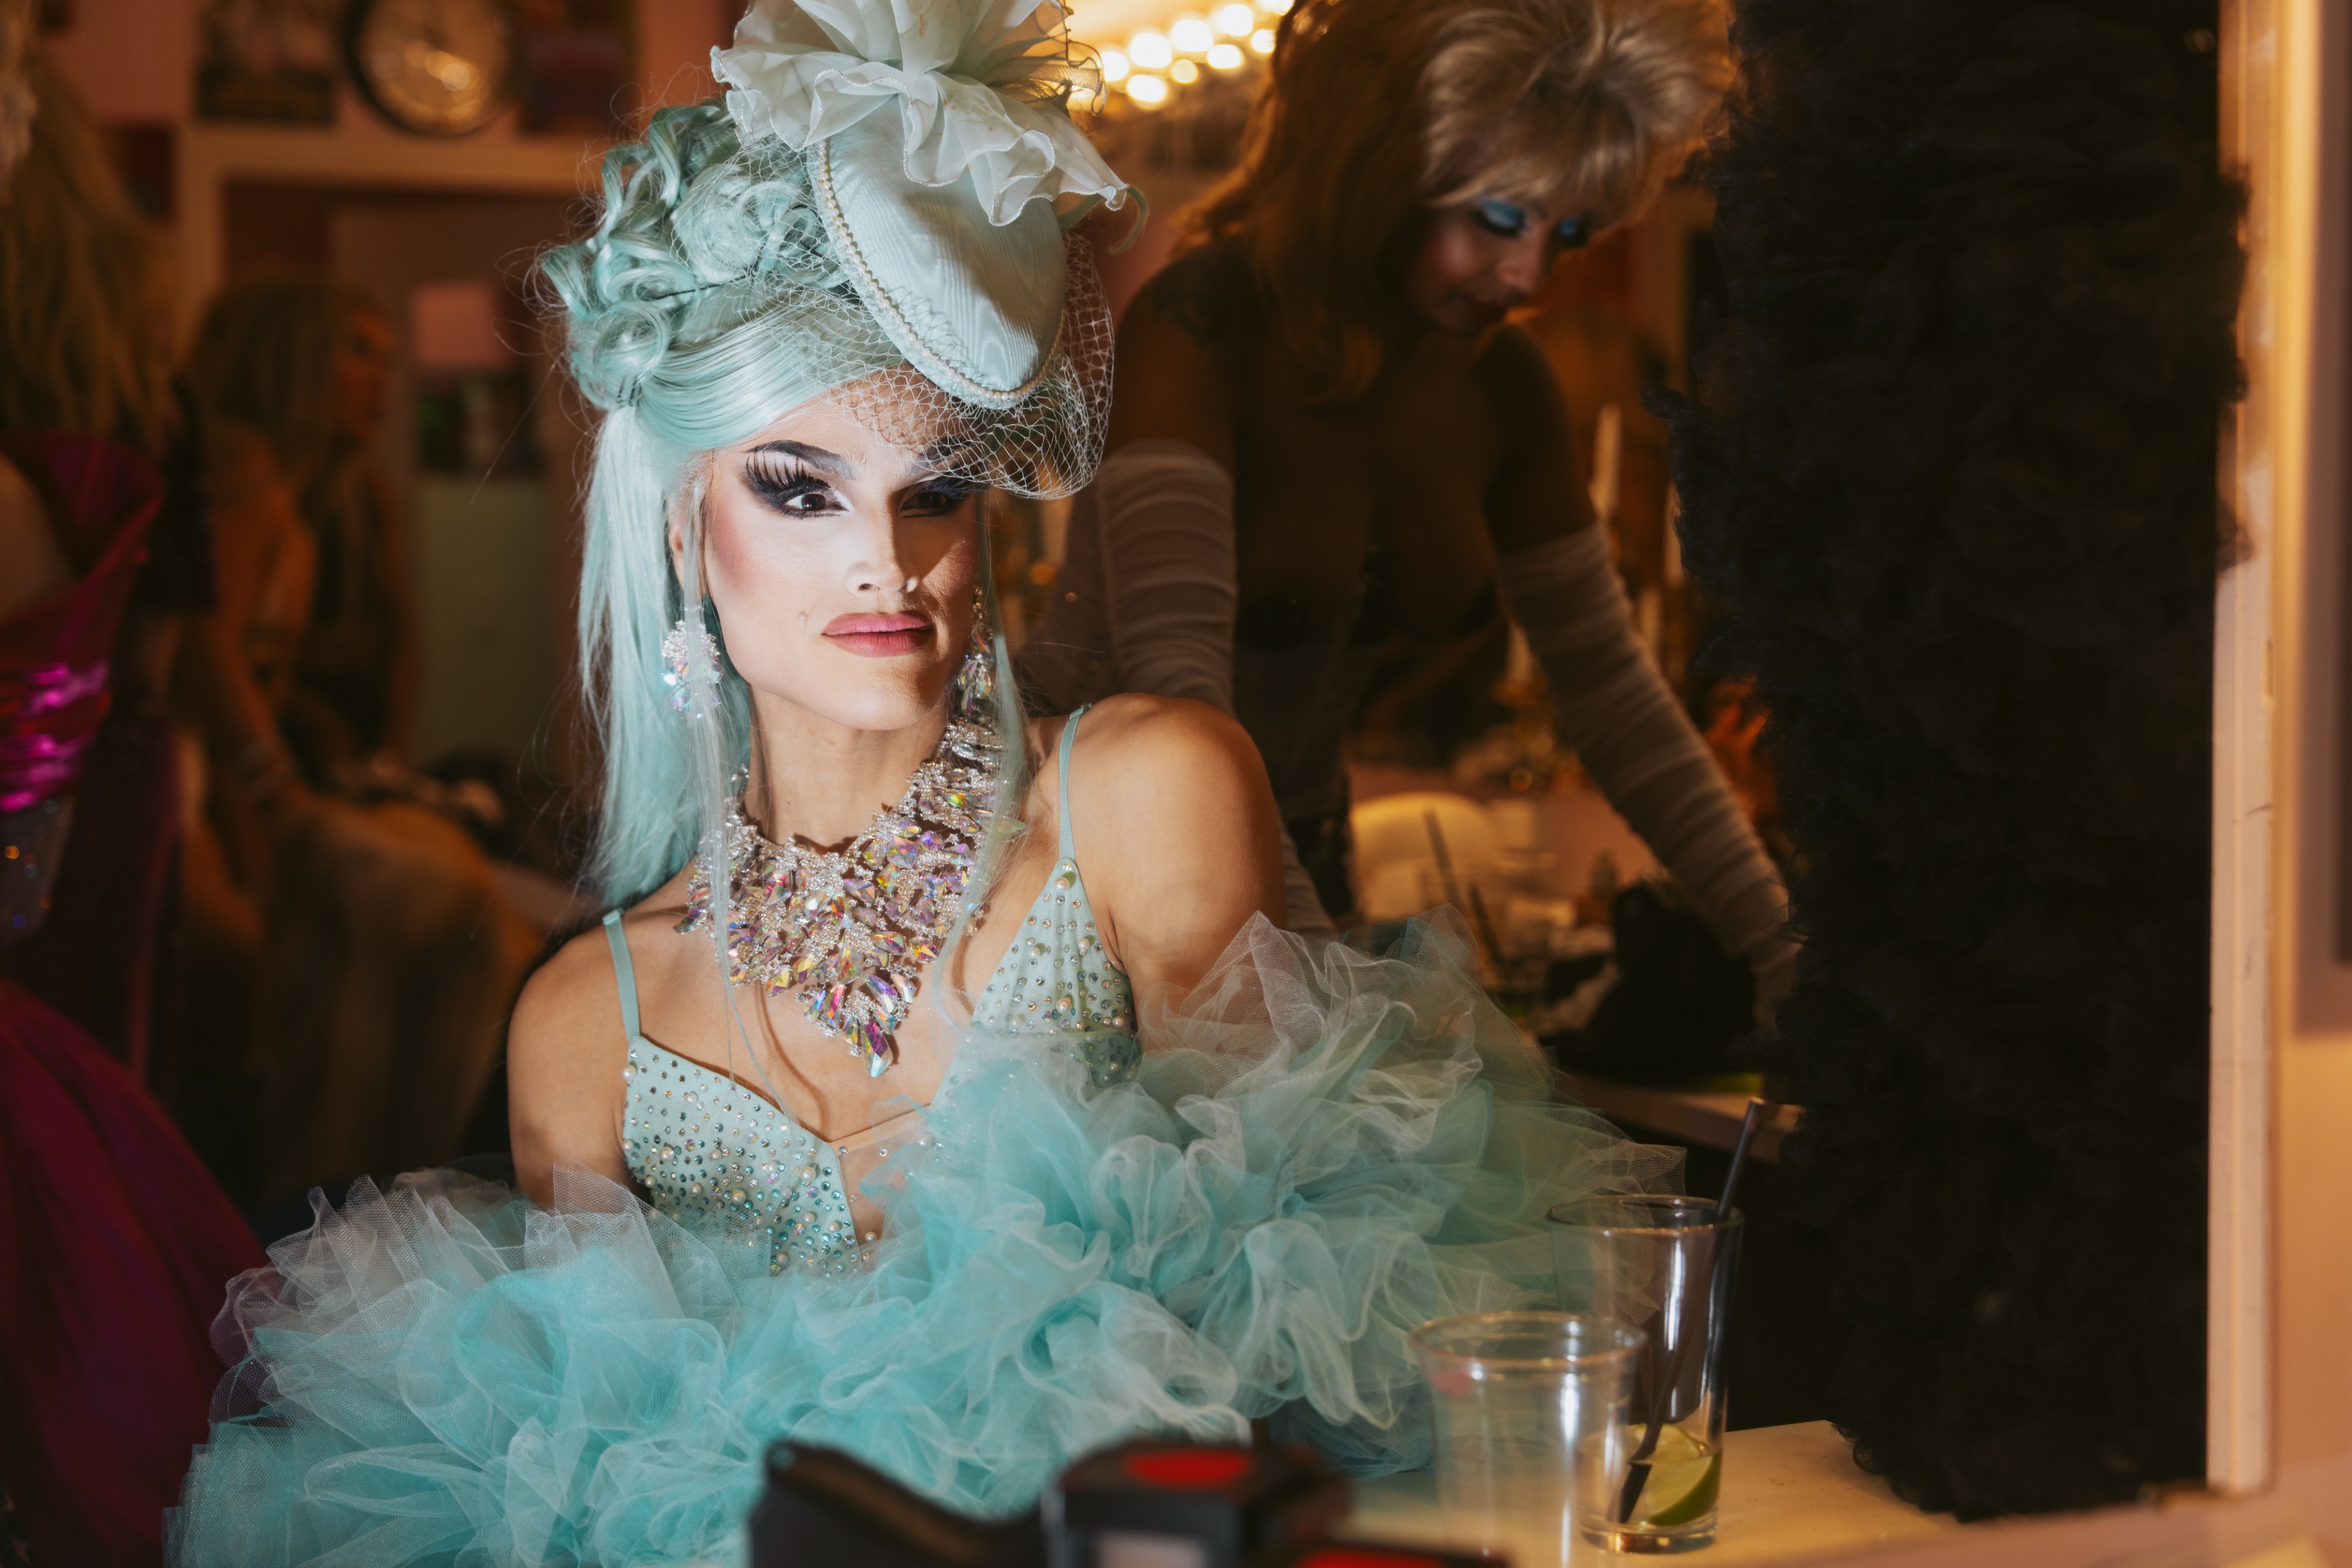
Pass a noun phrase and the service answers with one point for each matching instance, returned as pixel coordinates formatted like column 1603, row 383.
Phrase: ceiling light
column 1184, row 71
column 1223, row 57
column 1234, row 21
column 1114, row 66
column 1150, row 49
column 1263, row 40
column 1147, row 91
column 1190, row 34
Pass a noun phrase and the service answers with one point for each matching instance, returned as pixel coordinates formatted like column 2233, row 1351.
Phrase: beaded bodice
column 1053, row 979
column 720, row 1158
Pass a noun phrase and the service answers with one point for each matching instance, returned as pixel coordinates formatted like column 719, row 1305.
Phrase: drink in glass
column 1665, row 1264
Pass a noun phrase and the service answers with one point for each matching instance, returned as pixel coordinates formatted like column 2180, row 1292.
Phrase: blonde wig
column 1379, row 110
column 85, row 327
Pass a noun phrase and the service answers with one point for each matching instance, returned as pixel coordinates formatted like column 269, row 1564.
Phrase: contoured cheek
column 1458, row 251
column 775, row 583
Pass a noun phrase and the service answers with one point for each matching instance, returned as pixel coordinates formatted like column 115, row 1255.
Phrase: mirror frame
column 2280, row 1158
column 2237, row 1428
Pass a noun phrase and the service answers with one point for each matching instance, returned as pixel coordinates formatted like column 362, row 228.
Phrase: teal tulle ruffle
column 1325, row 1147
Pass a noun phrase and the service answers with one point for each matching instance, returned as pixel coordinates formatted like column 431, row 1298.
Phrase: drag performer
column 967, row 1134
column 1325, row 437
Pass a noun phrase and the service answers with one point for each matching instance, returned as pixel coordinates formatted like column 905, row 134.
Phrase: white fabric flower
column 978, row 83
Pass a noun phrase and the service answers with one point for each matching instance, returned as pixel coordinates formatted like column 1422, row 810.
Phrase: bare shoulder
column 1137, row 742
column 1175, row 827
column 576, row 994
column 565, row 1053
column 569, row 1014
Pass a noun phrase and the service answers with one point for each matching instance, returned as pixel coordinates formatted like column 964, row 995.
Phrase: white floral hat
column 945, row 164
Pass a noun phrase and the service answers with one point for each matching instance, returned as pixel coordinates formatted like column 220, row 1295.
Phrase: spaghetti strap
column 624, row 971
column 1062, row 780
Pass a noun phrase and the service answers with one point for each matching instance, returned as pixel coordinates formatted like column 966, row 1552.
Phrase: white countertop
column 1789, row 1493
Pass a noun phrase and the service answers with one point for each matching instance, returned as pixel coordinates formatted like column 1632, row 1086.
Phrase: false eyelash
column 775, row 476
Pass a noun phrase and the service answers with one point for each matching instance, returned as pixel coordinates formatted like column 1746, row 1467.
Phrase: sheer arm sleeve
column 1165, row 512
column 1612, row 706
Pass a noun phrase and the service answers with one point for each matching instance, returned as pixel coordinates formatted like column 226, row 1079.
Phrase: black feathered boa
column 1952, row 473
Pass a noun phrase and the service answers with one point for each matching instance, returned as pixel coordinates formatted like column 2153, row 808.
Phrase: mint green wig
column 711, row 300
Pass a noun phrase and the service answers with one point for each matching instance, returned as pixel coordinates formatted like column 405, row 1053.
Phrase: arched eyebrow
column 936, row 458
column 814, row 456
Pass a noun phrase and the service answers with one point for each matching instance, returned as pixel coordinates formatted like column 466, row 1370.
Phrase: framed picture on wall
column 579, row 63
column 271, row 60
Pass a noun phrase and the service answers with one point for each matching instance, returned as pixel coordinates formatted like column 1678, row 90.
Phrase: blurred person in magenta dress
column 115, row 1245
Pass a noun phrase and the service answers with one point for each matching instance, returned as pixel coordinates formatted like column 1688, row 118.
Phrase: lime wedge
column 1684, row 1478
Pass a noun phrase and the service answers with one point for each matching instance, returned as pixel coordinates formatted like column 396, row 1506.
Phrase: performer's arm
column 1163, row 506
column 565, row 1050
column 1175, row 827
column 1609, row 700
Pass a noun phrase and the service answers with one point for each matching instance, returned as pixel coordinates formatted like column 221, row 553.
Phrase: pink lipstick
column 878, row 636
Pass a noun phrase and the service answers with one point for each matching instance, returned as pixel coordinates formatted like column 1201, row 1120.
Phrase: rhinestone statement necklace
column 852, row 928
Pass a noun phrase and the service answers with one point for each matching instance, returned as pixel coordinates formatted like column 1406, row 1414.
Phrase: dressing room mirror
column 1928, row 706
column 1948, row 456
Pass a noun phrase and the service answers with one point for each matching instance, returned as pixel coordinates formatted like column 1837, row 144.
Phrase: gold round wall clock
column 438, row 68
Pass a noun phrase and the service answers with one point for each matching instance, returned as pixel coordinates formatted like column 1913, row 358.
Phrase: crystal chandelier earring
column 690, row 668
column 976, row 682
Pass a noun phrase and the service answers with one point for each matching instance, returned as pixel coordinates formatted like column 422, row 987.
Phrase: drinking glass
column 1665, row 1264
column 1516, row 1397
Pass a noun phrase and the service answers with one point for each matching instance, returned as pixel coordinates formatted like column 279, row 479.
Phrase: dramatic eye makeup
column 805, row 482
column 940, row 495
column 1505, row 218
column 1510, row 220
column 782, row 475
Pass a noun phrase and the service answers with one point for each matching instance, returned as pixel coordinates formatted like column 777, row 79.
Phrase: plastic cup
column 1514, row 1399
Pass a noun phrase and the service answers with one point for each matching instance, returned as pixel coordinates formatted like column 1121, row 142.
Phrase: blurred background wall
column 481, row 442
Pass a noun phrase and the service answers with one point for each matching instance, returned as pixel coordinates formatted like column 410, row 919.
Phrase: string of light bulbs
column 1156, row 61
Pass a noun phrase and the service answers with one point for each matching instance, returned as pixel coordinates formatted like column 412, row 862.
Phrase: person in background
column 300, row 368
column 115, row 1245
column 378, row 957
column 85, row 346
column 1325, row 435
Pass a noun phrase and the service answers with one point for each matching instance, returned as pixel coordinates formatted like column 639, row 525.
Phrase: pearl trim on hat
column 894, row 320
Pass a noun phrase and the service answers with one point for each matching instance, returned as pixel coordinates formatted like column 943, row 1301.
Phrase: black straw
column 1757, row 1110
column 1637, row 1474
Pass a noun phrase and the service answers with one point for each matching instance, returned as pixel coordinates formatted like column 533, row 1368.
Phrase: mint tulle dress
column 1327, row 1144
